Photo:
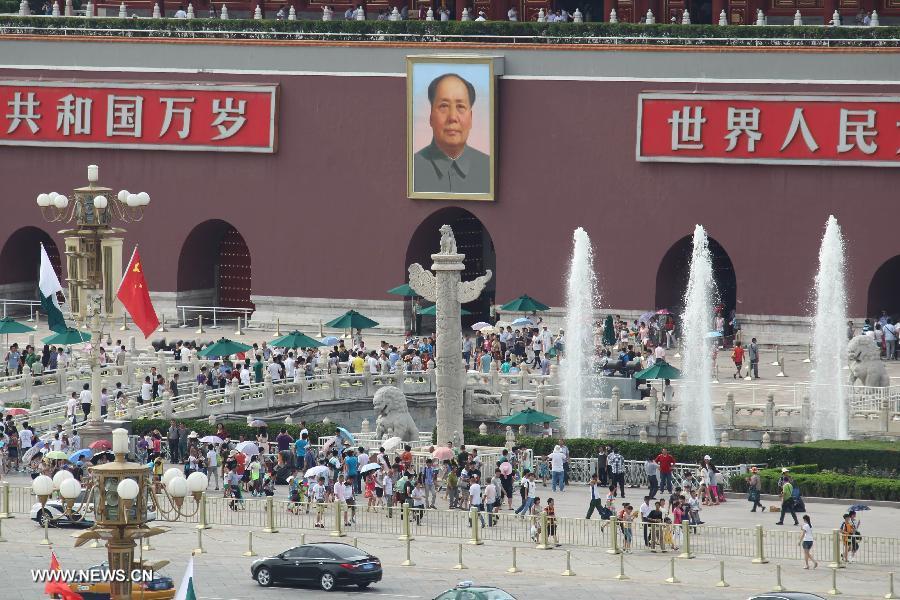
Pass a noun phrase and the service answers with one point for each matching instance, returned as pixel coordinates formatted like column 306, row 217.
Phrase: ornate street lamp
column 94, row 264
column 93, row 245
column 120, row 497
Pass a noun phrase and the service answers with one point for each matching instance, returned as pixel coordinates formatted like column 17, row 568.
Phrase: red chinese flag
column 59, row 589
column 135, row 296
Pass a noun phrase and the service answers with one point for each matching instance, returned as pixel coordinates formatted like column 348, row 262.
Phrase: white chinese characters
column 228, row 114
column 687, row 128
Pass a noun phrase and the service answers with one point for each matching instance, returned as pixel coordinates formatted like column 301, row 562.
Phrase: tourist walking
column 557, row 469
column 617, row 470
column 737, row 355
column 787, row 500
column 753, row 489
column 596, row 502
column 666, row 463
column 651, row 469
column 530, row 494
column 753, row 354
column 806, row 541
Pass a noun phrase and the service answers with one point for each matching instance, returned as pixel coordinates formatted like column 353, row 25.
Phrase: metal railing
column 217, row 313
column 32, row 306
column 756, row 544
column 434, row 36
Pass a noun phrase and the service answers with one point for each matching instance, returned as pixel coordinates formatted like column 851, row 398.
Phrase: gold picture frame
column 429, row 169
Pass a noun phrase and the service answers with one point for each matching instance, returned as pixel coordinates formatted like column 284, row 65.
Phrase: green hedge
column 234, row 428
column 857, row 458
column 430, row 31
column 825, row 484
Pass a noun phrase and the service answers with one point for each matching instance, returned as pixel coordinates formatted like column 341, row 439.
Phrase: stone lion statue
column 864, row 360
column 392, row 416
column 448, row 241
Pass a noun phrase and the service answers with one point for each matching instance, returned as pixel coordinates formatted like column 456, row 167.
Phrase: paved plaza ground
column 223, row 573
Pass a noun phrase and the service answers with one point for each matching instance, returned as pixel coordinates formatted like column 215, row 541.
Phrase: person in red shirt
column 737, row 355
column 666, row 462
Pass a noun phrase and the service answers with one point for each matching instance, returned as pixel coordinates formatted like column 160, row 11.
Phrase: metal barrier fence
column 756, row 544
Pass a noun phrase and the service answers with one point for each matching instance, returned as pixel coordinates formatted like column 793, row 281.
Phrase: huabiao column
column 445, row 288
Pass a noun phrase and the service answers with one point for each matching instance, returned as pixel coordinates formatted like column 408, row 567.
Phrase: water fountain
column 695, row 403
column 577, row 371
column 829, row 342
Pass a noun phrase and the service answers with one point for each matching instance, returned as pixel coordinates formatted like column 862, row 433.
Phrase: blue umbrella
column 330, row 340
column 713, row 334
column 522, row 321
column 859, row 507
column 346, row 435
column 85, row 454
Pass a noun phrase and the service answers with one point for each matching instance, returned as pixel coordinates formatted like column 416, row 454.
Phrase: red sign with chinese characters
column 769, row 129
column 148, row 116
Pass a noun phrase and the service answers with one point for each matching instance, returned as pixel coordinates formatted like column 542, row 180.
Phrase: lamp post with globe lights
column 120, row 496
column 93, row 244
column 94, row 265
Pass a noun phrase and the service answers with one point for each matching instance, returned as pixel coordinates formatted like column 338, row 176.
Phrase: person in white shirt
column 85, row 398
column 475, row 497
column 490, row 500
column 56, row 444
column 289, row 366
column 146, row 390
column 317, row 494
column 212, row 465
column 557, row 470
column 180, row 14
column 75, row 442
column 372, row 363
column 512, row 15
column 26, row 438
column 245, row 376
column 445, row 14
column 418, row 500
column 645, row 512
column 387, row 484
column 275, row 370
column 481, row 16
column 72, row 407
column 537, row 347
column 659, row 353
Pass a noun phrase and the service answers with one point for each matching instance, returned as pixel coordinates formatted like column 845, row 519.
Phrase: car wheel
column 363, row 586
column 264, row 577
column 45, row 518
column 327, row 581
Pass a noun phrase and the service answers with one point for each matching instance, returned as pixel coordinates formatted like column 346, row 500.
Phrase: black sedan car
column 326, row 564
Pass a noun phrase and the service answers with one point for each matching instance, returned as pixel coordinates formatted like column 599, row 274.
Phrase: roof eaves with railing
column 459, row 32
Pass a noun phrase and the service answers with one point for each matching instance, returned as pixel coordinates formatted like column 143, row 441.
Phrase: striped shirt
column 616, row 462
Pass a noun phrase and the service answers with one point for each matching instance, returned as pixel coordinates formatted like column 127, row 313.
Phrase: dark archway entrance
column 884, row 290
column 472, row 239
column 214, row 268
column 20, row 261
column 672, row 277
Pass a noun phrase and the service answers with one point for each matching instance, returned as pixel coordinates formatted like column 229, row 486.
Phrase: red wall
column 327, row 215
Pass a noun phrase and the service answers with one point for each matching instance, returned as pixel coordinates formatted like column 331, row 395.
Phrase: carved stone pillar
column 445, row 289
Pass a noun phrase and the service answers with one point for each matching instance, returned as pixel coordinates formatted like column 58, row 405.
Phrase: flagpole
column 127, row 269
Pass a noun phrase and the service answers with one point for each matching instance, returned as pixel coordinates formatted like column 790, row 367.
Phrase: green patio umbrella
column 403, row 290
column 430, row 310
column 224, row 347
column 660, row 370
column 524, row 303
column 295, row 339
column 529, row 416
column 352, row 320
column 67, row 337
column 609, row 331
column 8, row 326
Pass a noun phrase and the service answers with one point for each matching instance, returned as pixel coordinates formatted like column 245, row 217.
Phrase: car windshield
column 347, row 552
column 495, row 595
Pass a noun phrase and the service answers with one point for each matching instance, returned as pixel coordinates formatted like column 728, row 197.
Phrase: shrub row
column 234, row 428
column 427, row 31
column 836, row 456
column 825, row 484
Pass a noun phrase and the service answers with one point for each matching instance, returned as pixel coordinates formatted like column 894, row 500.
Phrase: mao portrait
column 450, row 148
